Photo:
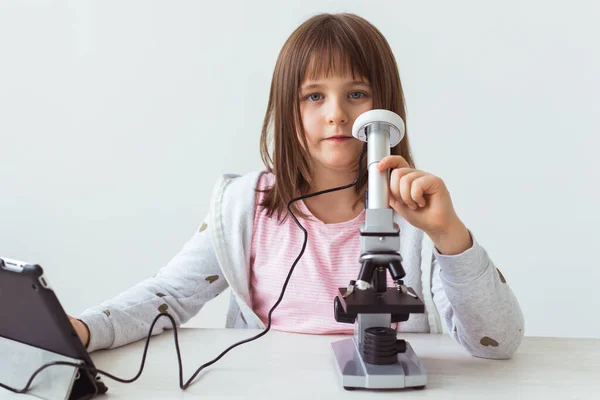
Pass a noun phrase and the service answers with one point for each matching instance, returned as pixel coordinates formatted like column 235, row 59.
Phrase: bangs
column 333, row 53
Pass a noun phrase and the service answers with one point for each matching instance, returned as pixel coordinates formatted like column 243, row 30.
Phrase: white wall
column 117, row 118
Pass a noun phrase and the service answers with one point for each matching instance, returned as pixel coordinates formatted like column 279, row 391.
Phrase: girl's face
column 328, row 109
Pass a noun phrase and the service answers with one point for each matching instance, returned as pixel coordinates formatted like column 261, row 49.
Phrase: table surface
column 292, row 366
column 283, row 365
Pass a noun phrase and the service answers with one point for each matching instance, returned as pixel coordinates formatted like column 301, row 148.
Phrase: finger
column 400, row 186
column 417, row 191
column 392, row 162
column 406, row 183
column 395, row 178
column 423, row 185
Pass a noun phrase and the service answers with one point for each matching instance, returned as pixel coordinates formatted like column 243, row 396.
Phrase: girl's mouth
column 339, row 138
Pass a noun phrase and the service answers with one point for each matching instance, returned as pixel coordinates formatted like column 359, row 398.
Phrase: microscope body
column 374, row 358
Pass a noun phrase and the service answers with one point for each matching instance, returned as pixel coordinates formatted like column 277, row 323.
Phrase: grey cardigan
column 466, row 291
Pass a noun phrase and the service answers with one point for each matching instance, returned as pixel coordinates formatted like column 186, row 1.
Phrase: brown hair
column 324, row 45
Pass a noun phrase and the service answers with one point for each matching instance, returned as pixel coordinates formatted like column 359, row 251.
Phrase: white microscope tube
column 378, row 147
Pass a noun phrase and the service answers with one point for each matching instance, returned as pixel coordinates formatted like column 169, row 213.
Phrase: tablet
column 30, row 313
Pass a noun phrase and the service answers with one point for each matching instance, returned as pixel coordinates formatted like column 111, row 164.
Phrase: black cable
column 183, row 386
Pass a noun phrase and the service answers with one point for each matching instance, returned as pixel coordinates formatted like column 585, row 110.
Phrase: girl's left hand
column 423, row 200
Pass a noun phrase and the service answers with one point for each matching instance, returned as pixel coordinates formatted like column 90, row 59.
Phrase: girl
column 332, row 69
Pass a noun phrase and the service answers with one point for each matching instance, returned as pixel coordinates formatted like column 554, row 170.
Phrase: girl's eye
column 314, row 97
column 357, row 95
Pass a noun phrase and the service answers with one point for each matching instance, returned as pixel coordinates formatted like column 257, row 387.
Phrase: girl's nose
column 337, row 115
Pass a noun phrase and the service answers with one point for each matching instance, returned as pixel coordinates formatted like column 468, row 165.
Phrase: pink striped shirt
column 329, row 262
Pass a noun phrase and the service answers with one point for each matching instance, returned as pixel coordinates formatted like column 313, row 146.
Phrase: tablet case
column 34, row 327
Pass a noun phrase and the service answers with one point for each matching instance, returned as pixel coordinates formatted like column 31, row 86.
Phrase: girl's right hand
column 82, row 330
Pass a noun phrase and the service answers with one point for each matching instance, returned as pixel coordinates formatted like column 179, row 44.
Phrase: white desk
column 290, row 366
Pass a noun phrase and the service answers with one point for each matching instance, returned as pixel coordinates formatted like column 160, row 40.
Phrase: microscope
column 374, row 358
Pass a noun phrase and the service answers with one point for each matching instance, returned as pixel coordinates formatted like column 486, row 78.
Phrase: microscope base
column 355, row 373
